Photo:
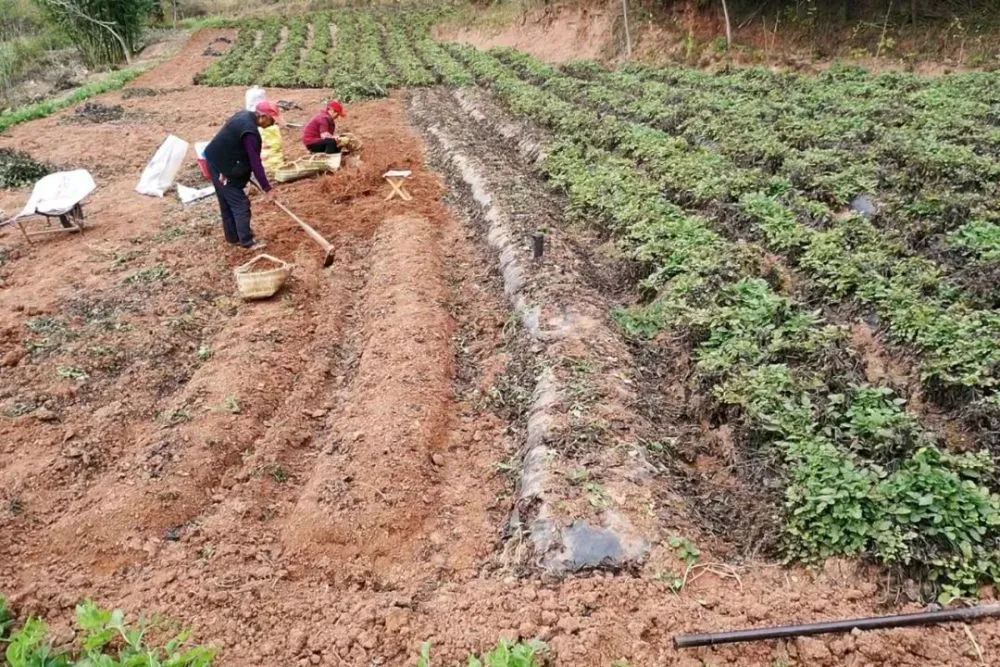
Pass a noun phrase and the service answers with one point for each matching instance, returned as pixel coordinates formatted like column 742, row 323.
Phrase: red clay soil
column 315, row 478
column 554, row 33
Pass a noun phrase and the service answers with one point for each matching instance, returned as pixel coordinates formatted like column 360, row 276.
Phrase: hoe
column 313, row 234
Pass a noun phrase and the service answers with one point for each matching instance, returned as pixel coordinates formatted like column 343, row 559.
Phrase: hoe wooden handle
column 313, row 234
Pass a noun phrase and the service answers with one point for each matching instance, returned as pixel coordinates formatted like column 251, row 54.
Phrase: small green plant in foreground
column 72, row 373
column 148, row 276
column 505, row 654
column 105, row 640
column 232, row 405
column 686, row 550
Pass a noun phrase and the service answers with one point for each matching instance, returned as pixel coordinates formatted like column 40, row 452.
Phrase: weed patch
column 18, row 169
column 153, row 274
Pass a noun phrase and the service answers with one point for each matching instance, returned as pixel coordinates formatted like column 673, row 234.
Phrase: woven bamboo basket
column 307, row 166
column 261, row 284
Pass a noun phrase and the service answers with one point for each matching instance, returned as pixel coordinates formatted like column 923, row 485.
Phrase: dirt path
column 330, row 476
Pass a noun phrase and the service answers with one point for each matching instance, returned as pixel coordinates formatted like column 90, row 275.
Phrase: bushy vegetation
column 18, row 168
column 104, row 639
column 105, row 31
column 24, row 38
column 701, row 178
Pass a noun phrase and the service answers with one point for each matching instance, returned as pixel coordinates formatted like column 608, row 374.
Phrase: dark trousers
column 235, row 208
column 324, row 146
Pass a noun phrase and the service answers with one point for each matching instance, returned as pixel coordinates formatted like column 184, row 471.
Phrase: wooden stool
column 396, row 179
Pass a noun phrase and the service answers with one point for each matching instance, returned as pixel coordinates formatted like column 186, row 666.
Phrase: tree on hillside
column 105, row 31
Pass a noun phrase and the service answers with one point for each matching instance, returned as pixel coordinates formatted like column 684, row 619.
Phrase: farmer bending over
column 318, row 134
column 232, row 156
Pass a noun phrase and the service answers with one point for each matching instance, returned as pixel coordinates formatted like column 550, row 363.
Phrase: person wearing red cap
column 318, row 134
column 233, row 156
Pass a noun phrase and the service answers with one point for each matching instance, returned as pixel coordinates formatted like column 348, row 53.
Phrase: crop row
column 445, row 69
column 848, row 257
column 863, row 475
column 960, row 108
column 930, row 149
column 374, row 51
column 284, row 66
column 218, row 74
column 312, row 70
column 410, row 69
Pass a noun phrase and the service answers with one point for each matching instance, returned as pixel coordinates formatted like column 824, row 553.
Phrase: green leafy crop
column 105, row 639
column 689, row 172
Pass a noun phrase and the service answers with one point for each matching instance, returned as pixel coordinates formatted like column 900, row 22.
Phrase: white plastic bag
column 254, row 96
column 188, row 195
column 161, row 171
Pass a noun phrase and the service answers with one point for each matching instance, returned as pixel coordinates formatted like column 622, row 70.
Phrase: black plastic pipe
column 870, row 623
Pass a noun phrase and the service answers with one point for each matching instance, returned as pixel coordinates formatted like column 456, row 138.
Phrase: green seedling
column 596, row 495
column 175, row 417
column 672, row 579
column 72, row 373
column 170, row 234
column 154, row 274
column 425, row 655
column 686, row 550
column 205, row 352
column 507, row 654
column 44, row 325
column 105, row 638
column 19, row 409
column 122, row 259
column 231, row 405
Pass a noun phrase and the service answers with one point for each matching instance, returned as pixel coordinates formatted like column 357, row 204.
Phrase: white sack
column 159, row 174
column 253, row 96
column 57, row 193
column 188, row 195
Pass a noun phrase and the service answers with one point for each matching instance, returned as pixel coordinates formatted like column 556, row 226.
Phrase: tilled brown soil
column 327, row 477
